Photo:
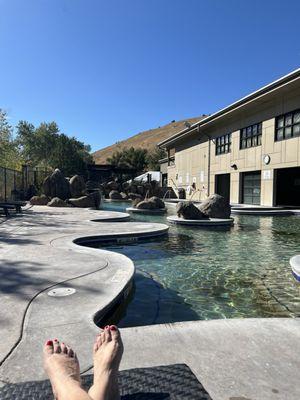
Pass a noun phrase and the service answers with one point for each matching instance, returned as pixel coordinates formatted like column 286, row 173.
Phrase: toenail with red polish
column 113, row 328
column 107, row 327
column 55, row 340
column 49, row 343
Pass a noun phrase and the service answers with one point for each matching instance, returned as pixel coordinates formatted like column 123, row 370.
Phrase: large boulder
column 216, row 206
column 82, row 202
column 39, row 200
column 92, row 200
column 91, row 185
column 96, row 196
column 134, row 196
column 56, row 185
column 47, row 186
column 77, row 186
column 124, row 195
column 181, row 193
column 135, row 202
column 189, row 211
column 112, row 185
column 145, row 205
column 57, row 202
column 158, row 203
column 115, row 195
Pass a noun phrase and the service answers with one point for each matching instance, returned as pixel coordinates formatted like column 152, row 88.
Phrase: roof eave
column 244, row 100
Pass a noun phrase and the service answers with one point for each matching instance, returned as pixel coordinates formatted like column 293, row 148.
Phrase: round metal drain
column 61, row 292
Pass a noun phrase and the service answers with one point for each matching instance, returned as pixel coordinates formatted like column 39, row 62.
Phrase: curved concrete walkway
column 37, row 254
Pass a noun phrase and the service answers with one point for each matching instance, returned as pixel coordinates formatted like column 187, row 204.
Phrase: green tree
column 9, row 153
column 70, row 155
column 153, row 158
column 45, row 146
column 130, row 158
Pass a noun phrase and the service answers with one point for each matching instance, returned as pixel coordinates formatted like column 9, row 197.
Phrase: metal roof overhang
column 254, row 96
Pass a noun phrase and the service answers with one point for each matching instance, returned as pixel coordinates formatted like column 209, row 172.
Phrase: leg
column 62, row 367
column 108, row 350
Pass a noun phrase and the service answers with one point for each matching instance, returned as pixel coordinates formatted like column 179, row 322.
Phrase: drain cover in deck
column 61, row 292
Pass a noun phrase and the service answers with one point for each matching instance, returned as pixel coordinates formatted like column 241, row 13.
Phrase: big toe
column 48, row 347
column 115, row 333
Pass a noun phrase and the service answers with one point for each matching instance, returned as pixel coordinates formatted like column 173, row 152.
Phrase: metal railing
column 21, row 185
column 11, row 184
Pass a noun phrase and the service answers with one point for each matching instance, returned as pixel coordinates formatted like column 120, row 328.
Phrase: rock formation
column 92, row 200
column 56, row 185
column 215, row 206
column 154, row 203
column 115, row 195
column 189, row 211
column 39, row 200
column 77, row 186
column 134, row 196
column 124, row 195
column 158, row 203
column 57, row 202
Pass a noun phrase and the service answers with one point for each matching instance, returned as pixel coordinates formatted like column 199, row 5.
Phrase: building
column 248, row 152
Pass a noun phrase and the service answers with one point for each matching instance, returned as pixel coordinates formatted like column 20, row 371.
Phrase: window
column 171, row 156
column 287, row 125
column 223, row 144
column 250, row 136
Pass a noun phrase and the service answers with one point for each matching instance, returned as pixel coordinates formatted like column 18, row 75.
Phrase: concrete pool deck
column 234, row 359
column 37, row 253
column 240, row 359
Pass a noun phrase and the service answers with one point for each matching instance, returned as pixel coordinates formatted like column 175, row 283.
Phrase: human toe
column 115, row 333
column 48, row 347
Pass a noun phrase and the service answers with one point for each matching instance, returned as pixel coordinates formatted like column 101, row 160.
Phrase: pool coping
column 211, row 222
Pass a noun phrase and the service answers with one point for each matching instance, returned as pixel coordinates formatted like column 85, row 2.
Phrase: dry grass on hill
column 147, row 139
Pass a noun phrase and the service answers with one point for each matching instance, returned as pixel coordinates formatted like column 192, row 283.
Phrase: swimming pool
column 242, row 271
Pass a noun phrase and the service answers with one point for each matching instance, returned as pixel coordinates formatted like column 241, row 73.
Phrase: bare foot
column 108, row 350
column 62, row 367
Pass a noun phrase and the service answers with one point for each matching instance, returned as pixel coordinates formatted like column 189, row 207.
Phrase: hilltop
column 147, row 139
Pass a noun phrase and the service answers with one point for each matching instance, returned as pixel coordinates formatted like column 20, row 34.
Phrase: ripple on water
column 239, row 272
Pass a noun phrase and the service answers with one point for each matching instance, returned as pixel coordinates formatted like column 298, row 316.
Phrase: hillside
column 147, row 139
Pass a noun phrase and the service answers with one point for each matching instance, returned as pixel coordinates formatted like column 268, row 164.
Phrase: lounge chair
column 12, row 205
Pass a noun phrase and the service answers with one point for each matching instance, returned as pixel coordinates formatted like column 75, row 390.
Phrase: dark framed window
column 223, row 144
column 251, row 136
column 287, row 126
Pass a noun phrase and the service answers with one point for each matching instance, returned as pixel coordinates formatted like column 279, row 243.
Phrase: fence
column 21, row 185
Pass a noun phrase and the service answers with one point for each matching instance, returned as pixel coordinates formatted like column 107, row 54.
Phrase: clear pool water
column 238, row 272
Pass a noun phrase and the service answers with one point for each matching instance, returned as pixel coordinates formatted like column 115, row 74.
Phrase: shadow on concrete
column 23, row 279
column 16, row 277
column 9, row 238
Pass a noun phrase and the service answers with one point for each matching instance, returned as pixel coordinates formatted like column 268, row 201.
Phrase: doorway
column 251, row 187
column 222, row 185
column 287, row 186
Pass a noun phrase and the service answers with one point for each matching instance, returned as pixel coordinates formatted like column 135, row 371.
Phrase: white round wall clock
column 267, row 159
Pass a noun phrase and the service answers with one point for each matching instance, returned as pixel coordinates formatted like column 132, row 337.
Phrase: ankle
column 65, row 381
column 106, row 373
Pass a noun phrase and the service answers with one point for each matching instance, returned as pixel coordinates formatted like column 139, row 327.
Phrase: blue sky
column 104, row 70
